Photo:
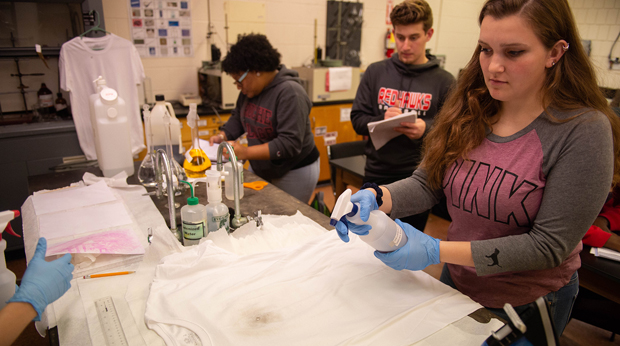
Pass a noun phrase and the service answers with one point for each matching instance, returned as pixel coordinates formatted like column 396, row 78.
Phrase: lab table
column 600, row 275
column 270, row 200
column 349, row 171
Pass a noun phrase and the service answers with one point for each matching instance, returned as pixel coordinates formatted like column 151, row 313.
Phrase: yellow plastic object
column 199, row 164
column 256, row 185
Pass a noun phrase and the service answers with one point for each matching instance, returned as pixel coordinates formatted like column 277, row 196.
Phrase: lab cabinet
column 331, row 124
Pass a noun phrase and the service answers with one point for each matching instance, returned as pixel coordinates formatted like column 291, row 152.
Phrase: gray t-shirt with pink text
column 524, row 201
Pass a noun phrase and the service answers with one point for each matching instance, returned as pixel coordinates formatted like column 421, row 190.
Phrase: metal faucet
column 237, row 220
column 161, row 158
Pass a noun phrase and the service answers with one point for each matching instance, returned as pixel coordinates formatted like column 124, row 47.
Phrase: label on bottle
column 46, row 100
column 220, row 221
column 60, row 106
column 193, row 230
column 398, row 237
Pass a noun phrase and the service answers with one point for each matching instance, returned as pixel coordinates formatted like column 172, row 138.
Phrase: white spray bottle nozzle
column 5, row 217
column 343, row 207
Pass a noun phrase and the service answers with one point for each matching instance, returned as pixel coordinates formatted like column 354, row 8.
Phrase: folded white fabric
column 324, row 292
column 119, row 180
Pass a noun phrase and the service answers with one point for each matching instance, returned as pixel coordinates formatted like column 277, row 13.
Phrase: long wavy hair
column 470, row 111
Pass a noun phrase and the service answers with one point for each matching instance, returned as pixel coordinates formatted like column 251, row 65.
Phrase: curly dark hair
column 412, row 12
column 252, row 52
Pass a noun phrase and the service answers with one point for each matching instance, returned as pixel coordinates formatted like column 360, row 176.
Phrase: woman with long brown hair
column 525, row 150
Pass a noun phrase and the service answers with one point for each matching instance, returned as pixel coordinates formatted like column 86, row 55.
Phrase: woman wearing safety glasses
column 273, row 110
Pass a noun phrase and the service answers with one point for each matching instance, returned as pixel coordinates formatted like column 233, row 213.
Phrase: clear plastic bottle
column 111, row 130
column 385, row 234
column 228, row 180
column 159, row 129
column 217, row 212
column 193, row 218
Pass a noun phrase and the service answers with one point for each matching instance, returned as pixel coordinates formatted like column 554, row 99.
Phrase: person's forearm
column 456, row 252
column 613, row 242
column 13, row 319
column 258, row 152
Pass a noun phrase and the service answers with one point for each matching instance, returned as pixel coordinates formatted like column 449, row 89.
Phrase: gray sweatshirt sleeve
column 412, row 195
column 362, row 111
column 578, row 180
column 233, row 127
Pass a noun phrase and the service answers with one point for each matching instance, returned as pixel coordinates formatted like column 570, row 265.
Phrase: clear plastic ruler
column 110, row 323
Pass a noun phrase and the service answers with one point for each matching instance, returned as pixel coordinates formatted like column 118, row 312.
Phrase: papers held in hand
column 382, row 131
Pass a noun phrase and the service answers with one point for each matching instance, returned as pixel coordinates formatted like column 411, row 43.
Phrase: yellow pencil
column 107, row 274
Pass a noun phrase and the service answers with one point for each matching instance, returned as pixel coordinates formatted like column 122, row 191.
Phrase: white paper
column 210, row 150
column 83, row 220
column 345, row 114
column 72, row 198
column 382, row 131
column 340, row 78
column 605, row 253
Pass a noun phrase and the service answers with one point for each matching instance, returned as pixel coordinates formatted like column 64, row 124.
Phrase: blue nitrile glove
column 419, row 252
column 367, row 203
column 43, row 281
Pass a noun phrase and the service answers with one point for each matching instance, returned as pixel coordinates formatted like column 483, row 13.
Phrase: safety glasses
column 238, row 81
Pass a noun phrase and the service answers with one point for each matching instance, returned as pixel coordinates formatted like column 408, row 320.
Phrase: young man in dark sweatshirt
column 410, row 80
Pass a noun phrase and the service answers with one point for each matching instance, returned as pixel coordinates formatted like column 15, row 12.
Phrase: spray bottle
column 193, row 217
column 7, row 278
column 217, row 212
column 196, row 161
column 385, row 234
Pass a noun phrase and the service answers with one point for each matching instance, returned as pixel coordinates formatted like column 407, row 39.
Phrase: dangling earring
column 257, row 74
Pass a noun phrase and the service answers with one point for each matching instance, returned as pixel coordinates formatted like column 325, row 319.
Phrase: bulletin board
column 161, row 29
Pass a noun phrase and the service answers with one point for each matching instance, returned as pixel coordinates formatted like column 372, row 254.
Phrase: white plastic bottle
column 111, row 131
column 193, row 218
column 385, row 234
column 7, row 277
column 229, row 178
column 158, row 128
column 217, row 212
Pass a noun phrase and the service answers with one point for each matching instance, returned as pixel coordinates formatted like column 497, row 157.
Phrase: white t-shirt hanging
column 84, row 59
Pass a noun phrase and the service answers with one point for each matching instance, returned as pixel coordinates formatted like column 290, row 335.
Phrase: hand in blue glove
column 367, row 203
column 43, row 281
column 419, row 252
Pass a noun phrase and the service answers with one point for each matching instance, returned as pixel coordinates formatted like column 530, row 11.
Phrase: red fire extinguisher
column 390, row 44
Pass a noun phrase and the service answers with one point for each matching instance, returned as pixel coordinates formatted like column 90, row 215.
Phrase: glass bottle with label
column 61, row 107
column 46, row 101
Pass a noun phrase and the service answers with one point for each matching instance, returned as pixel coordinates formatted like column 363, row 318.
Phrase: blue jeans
column 560, row 303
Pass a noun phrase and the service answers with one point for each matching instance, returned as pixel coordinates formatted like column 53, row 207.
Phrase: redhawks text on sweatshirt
column 419, row 88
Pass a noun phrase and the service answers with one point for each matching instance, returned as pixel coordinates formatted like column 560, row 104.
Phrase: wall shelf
column 27, row 52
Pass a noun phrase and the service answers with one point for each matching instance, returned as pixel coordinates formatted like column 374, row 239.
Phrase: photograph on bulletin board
column 161, row 29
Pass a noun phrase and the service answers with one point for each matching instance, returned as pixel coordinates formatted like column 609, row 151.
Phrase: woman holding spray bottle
column 525, row 151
